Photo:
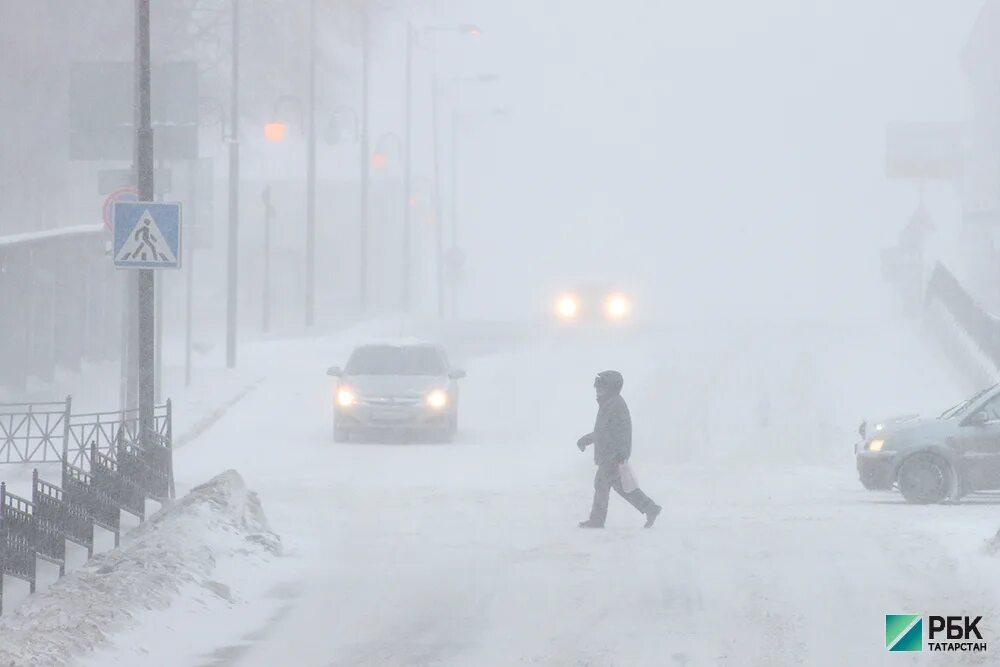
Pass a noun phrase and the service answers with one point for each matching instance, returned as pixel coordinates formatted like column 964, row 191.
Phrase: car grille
column 391, row 401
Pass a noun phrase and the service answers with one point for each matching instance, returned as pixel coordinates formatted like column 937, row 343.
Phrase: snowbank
column 183, row 545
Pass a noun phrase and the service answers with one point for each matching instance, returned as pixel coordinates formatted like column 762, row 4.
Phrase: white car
column 396, row 389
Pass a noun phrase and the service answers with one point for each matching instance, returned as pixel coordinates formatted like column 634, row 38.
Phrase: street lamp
column 412, row 35
column 275, row 132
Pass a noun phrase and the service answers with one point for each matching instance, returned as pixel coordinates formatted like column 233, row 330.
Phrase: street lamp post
column 454, row 254
column 311, row 175
column 438, row 222
column 407, row 269
column 363, row 232
column 436, row 86
column 234, row 196
column 266, row 305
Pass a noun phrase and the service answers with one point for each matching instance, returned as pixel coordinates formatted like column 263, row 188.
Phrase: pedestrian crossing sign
column 147, row 235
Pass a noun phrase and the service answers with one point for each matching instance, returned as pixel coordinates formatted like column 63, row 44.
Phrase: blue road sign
column 147, row 235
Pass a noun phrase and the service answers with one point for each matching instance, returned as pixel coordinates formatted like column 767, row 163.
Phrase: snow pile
column 184, row 545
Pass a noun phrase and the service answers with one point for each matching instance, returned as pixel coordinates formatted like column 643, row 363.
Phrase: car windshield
column 395, row 360
column 961, row 408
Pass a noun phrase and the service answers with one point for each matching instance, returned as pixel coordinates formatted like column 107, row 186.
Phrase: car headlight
column 346, row 397
column 876, row 445
column 437, row 399
column 617, row 306
column 567, row 307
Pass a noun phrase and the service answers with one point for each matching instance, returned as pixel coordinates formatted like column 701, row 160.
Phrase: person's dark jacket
column 612, row 436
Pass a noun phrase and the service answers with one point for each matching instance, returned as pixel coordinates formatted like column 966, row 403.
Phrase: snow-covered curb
column 180, row 546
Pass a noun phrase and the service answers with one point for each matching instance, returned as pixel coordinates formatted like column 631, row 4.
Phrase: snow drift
column 180, row 547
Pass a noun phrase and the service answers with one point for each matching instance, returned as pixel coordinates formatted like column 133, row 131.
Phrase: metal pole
column 438, row 222
column 198, row 219
column 126, row 393
column 232, row 290
column 454, row 214
column 188, row 298
column 266, row 310
column 407, row 268
column 311, row 176
column 364, row 161
column 158, row 388
column 144, row 180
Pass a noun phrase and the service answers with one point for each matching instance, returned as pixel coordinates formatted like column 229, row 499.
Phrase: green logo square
column 904, row 632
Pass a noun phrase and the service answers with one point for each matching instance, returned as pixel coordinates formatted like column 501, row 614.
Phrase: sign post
column 146, row 287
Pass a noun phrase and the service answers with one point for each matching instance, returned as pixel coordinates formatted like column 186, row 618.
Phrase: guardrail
column 34, row 431
column 107, row 468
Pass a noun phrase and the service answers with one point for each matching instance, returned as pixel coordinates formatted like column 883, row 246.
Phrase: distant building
column 980, row 184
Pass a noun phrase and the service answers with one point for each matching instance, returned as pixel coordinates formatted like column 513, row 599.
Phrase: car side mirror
column 334, row 371
column 977, row 419
column 456, row 374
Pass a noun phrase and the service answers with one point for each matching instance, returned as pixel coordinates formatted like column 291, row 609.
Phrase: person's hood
column 612, row 382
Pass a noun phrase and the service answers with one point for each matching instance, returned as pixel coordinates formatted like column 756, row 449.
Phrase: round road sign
column 121, row 194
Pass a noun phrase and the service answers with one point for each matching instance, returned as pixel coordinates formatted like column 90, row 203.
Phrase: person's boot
column 651, row 516
column 590, row 524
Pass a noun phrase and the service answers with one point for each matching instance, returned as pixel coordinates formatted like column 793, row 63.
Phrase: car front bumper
column 409, row 419
column 876, row 470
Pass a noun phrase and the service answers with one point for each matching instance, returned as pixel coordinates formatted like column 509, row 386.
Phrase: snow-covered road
column 768, row 552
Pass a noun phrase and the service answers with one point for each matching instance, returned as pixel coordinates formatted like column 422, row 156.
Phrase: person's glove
column 582, row 443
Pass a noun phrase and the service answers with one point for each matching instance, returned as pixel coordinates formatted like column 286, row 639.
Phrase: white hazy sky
column 722, row 154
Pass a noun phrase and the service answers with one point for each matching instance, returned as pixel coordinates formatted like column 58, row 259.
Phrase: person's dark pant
column 608, row 478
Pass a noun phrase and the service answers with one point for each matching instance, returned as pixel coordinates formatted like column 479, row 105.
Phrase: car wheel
column 924, row 478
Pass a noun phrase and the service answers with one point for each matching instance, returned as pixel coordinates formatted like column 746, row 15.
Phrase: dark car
column 933, row 459
column 402, row 389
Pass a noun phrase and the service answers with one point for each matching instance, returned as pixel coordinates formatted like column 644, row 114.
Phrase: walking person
column 612, row 440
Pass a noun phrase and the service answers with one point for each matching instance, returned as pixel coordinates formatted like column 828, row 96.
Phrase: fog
column 675, row 146
column 698, row 195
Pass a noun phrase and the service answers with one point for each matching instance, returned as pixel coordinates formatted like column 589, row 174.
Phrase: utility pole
column 232, row 288
column 266, row 309
column 188, row 302
column 438, row 221
column 144, row 179
column 407, row 268
column 311, row 175
column 454, row 270
column 364, row 160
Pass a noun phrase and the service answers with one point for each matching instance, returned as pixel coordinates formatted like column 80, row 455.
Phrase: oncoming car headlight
column 876, row 445
column 346, row 397
column 567, row 306
column 437, row 399
column 617, row 306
